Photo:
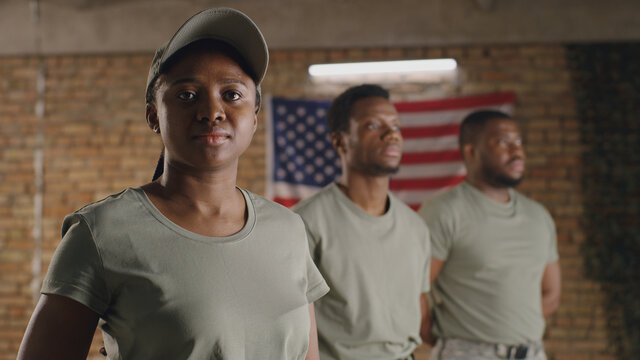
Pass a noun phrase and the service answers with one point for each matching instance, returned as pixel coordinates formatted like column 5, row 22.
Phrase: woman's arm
column 60, row 328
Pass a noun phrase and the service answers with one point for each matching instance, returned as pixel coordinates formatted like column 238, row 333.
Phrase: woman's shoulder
column 114, row 206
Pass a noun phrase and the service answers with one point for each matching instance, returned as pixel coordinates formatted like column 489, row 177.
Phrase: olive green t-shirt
column 495, row 254
column 163, row 292
column 376, row 266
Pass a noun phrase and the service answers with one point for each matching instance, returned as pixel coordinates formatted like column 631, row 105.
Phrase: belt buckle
column 520, row 352
column 509, row 352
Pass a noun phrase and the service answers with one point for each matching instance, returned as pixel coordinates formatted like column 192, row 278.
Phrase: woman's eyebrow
column 193, row 79
column 183, row 80
column 233, row 81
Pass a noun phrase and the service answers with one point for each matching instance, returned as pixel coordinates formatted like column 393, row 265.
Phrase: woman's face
column 205, row 111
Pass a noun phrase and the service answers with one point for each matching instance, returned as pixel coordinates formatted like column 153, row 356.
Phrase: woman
column 188, row 266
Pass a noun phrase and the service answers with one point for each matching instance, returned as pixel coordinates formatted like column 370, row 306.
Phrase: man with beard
column 372, row 249
column 494, row 261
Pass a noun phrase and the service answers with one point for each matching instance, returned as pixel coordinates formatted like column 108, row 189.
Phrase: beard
column 494, row 174
column 498, row 180
column 507, row 181
column 377, row 169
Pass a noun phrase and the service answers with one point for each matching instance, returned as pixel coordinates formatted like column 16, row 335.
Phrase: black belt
column 512, row 351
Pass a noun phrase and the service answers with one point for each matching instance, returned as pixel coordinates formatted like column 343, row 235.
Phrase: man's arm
column 436, row 266
column 60, row 328
column 312, row 353
column 427, row 317
column 551, row 286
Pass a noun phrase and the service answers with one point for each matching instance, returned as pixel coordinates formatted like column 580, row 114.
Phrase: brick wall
column 97, row 142
column 17, row 129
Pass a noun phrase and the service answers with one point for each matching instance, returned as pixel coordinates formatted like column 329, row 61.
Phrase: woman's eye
column 187, row 95
column 232, row 95
column 372, row 126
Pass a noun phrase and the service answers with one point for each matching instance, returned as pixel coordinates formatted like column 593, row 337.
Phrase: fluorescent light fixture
column 383, row 67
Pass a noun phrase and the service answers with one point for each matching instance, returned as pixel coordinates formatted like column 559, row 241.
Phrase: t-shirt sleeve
column 76, row 270
column 440, row 225
column 553, row 239
column 317, row 286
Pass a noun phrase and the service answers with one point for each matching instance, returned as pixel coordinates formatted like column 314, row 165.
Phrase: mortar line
column 38, row 156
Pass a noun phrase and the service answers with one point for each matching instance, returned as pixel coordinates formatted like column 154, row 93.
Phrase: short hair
column 340, row 109
column 202, row 45
column 474, row 123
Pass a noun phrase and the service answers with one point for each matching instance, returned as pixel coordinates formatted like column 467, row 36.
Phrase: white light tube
column 383, row 67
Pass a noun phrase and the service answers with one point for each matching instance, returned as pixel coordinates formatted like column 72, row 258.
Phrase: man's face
column 373, row 145
column 499, row 153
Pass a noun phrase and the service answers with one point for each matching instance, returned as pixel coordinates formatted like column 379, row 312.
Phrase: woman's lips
column 216, row 137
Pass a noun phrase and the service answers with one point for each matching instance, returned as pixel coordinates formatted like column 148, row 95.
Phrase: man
column 494, row 260
column 371, row 248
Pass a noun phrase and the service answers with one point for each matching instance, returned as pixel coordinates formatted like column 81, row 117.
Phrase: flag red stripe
column 430, row 131
column 288, row 202
column 431, row 157
column 457, row 103
column 415, row 207
column 425, row 183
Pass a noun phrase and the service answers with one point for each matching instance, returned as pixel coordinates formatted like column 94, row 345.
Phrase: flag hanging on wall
column 301, row 159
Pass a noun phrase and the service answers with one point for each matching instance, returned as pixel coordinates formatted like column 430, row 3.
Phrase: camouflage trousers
column 458, row 349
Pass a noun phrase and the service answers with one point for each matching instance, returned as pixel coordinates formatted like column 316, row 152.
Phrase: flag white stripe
column 440, row 143
column 445, row 117
column 430, row 170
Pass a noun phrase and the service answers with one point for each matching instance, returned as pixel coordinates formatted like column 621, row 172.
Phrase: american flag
column 301, row 159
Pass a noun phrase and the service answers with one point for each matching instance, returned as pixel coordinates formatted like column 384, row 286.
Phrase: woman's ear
column 255, row 122
column 152, row 118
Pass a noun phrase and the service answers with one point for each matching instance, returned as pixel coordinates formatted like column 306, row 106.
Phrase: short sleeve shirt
column 165, row 292
column 377, row 268
column 495, row 255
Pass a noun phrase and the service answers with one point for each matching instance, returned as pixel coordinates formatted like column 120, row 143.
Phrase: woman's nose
column 211, row 109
